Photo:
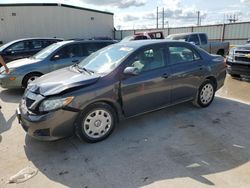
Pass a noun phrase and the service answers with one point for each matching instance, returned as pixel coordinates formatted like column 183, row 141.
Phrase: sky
column 141, row 14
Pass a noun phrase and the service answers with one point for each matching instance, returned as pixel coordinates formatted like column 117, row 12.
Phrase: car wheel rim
column 97, row 123
column 31, row 79
column 206, row 94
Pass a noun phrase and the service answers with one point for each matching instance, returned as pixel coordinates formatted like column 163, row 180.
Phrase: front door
column 150, row 89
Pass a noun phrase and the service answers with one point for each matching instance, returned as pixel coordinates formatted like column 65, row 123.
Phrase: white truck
column 201, row 40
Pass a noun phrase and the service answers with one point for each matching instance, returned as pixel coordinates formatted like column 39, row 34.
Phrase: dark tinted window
column 70, row 51
column 182, row 54
column 203, row 38
column 36, row 44
column 195, row 39
column 148, row 59
column 19, row 46
column 93, row 47
column 140, row 37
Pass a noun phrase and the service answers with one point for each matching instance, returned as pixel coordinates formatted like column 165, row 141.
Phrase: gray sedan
column 117, row 82
column 55, row 56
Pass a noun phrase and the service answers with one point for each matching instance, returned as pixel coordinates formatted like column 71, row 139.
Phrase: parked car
column 144, row 36
column 23, row 48
column 117, row 82
column 201, row 40
column 55, row 56
column 238, row 61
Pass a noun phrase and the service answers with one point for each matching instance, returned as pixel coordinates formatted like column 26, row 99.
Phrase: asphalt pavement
column 180, row 146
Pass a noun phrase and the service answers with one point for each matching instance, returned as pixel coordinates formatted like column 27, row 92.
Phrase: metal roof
column 60, row 3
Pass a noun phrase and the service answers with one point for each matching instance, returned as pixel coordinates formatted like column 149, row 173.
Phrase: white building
column 53, row 20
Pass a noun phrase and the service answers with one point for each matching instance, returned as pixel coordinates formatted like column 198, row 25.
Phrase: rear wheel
column 30, row 78
column 205, row 94
column 96, row 122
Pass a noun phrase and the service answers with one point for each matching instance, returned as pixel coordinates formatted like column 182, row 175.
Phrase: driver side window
column 148, row 59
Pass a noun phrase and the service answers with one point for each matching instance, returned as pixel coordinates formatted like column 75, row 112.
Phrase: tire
column 205, row 94
column 30, row 77
column 96, row 122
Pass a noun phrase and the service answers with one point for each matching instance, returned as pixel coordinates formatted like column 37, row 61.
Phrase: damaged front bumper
column 50, row 126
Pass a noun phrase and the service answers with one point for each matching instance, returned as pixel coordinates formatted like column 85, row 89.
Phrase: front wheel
column 30, row 78
column 205, row 94
column 96, row 122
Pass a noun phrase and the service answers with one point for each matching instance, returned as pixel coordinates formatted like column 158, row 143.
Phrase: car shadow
column 11, row 95
column 5, row 125
column 180, row 141
column 242, row 78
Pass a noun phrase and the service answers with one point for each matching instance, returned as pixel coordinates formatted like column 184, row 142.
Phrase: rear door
column 186, row 71
column 66, row 56
column 150, row 89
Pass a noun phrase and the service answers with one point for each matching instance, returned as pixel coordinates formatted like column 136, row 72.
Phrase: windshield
column 178, row 37
column 106, row 59
column 47, row 51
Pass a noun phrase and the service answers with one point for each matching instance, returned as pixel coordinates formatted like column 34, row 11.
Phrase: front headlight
column 54, row 103
column 231, row 52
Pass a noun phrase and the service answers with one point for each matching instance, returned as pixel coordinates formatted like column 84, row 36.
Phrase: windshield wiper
column 87, row 70
column 83, row 68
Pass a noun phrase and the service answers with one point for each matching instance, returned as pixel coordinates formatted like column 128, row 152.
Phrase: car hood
column 22, row 62
column 58, row 81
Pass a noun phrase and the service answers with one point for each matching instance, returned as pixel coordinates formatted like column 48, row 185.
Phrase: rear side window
column 203, row 38
column 195, row 39
column 48, row 42
column 93, row 47
column 179, row 55
column 37, row 44
column 70, row 51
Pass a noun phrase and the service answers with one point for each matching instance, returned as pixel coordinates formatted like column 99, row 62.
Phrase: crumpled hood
column 22, row 62
column 55, row 82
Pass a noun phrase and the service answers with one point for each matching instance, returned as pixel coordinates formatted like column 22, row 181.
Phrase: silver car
column 55, row 56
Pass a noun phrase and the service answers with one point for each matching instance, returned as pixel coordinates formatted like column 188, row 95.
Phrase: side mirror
column 131, row 71
column 56, row 57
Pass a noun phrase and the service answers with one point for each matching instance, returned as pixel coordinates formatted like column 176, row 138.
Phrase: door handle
column 75, row 61
column 165, row 75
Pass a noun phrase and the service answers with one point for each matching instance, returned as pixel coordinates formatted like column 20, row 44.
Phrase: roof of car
column 37, row 38
column 140, row 43
column 190, row 33
column 86, row 41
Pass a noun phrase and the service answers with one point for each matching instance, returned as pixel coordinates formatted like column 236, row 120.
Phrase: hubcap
column 207, row 93
column 31, row 79
column 97, row 123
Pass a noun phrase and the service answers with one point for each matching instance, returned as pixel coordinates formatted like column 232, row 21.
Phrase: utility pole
column 157, row 18
column 163, row 18
column 198, row 18
column 232, row 18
